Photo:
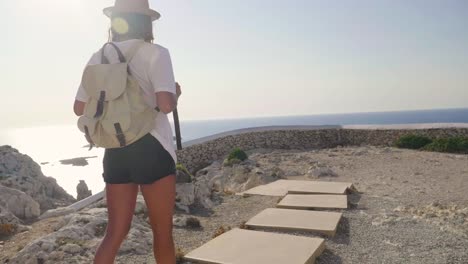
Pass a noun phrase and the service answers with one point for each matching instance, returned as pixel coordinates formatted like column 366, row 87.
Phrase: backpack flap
column 105, row 82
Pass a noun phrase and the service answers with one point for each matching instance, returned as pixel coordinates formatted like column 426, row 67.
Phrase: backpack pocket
column 117, row 129
column 88, row 127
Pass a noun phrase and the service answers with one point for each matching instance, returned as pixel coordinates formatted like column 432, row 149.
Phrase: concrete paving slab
column 307, row 201
column 240, row 246
column 320, row 188
column 282, row 187
column 304, row 220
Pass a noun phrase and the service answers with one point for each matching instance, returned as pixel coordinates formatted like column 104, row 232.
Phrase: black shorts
column 142, row 162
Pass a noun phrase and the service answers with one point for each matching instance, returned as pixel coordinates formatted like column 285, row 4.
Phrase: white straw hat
column 132, row 6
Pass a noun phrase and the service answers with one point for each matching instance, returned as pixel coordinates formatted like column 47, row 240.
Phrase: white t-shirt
column 152, row 68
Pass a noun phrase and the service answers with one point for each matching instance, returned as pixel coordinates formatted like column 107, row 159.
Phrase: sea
column 50, row 145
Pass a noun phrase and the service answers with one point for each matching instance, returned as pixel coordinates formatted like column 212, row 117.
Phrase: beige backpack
column 116, row 114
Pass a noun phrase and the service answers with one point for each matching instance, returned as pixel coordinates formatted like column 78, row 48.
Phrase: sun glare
column 119, row 25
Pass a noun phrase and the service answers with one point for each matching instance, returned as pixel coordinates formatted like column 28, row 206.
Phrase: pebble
column 71, row 248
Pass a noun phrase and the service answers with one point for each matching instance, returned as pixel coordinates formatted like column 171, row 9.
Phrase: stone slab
column 240, row 246
column 306, row 201
column 87, row 201
column 282, row 187
column 303, row 220
column 320, row 188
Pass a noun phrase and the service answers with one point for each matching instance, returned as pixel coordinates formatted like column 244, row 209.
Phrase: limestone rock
column 83, row 191
column 203, row 193
column 20, row 172
column 185, row 196
column 78, row 236
column 19, row 203
column 321, row 172
column 140, row 206
column 183, row 177
column 230, row 179
column 186, row 221
column 56, row 212
column 9, row 224
column 318, row 170
column 6, row 217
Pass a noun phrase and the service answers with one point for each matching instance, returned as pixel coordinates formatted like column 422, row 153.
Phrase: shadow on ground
column 328, row 257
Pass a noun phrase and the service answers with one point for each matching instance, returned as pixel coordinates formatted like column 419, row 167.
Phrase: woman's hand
column 78, row 108
column 178, row 90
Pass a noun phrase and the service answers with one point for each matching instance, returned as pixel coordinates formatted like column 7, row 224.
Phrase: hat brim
column 149, row 12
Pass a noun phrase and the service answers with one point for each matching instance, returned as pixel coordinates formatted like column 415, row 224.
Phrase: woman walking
column 149, row 163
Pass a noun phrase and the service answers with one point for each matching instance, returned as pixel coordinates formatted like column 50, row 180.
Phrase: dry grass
column 7, row 229
column 221, row 230
column 179, row 255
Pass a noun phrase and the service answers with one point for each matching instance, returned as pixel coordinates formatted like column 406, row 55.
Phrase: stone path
column 282, row 187
column 240, row 246
column 302, row 220
column 306, row 201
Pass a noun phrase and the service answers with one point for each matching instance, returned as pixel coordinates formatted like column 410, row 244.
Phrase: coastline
column 415, row 126
column 199, row 152
column 191, row 147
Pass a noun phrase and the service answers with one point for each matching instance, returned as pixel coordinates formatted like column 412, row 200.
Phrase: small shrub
column 193, row 222
column 19, row 248
column 237, row 153
column 100, row 229
column 412, row 142
column 179, row 255
column 231, row 162
column 181, row 167
column 228, row 192
column 449, row 145
column 221, row 230
column 7, row 229
column 61, row 241
column 243, row 225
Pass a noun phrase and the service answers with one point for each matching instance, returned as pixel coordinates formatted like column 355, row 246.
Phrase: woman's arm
column 78, row 108
column 167, row 101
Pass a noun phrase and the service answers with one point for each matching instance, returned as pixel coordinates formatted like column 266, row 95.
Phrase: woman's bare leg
column 121, row 200
column 160, row 200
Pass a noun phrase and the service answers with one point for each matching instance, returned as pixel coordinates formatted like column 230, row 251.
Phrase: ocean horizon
column 49, row 145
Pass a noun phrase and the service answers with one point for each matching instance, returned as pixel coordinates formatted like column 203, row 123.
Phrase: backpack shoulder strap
column 104, row 59
column 123, row 59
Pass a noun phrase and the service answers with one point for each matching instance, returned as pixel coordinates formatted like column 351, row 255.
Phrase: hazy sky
column 239, row 58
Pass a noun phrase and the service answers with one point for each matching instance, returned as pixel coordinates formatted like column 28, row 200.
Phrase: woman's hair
column 125, row 26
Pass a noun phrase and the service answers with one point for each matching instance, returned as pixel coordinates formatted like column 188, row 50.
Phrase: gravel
column 411, row 206
column 375, row 229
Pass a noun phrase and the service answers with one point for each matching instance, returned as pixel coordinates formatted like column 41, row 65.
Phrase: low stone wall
column 201, row 153
column 387, row 137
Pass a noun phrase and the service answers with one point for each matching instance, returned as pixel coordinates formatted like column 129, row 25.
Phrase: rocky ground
column 411, row 207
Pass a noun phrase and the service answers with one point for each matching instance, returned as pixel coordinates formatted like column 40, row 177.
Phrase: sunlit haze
column 248, row 58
